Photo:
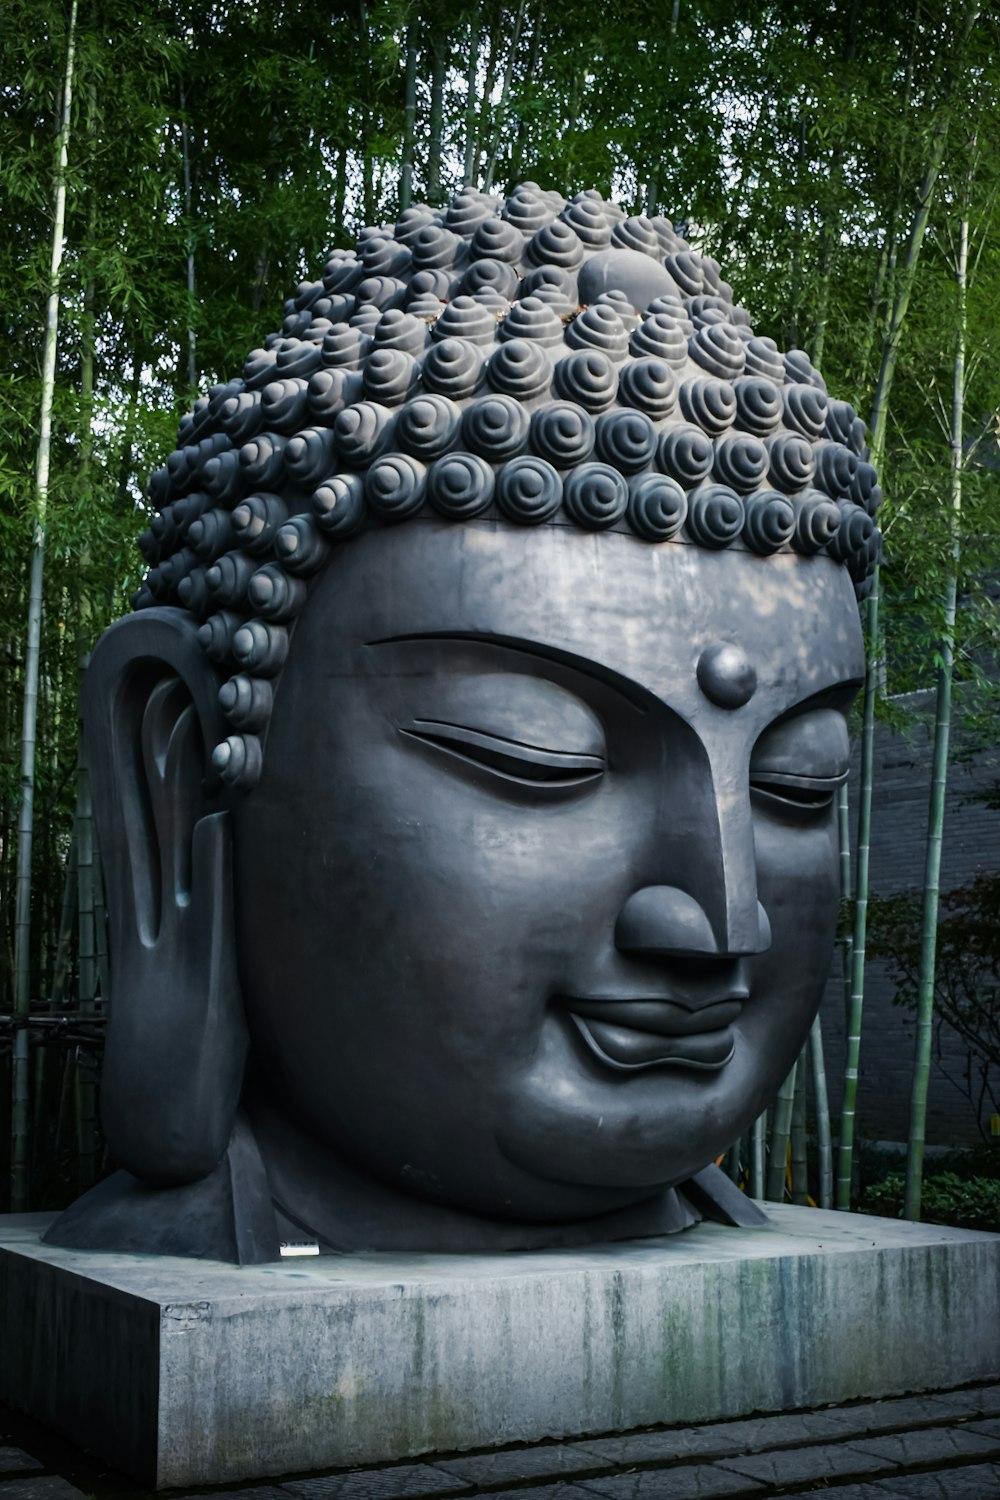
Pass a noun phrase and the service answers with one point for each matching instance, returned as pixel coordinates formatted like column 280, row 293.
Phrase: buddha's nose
column 662, row 920
column 697, row 895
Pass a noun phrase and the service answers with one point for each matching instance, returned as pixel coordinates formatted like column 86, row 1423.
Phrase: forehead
column 640, row 613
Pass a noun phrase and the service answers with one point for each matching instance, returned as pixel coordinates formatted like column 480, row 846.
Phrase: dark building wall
column 899, row 833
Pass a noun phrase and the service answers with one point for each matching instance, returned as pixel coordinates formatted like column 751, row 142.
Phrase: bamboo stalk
column 941, row 740
column 22, row 920
column 67, row 924
column 848, row 1112
column 757, row 1139
column 491, row 159
column 846, row 942
column 472, row 69
column 192, row 368
column 38, row 1121
column 482, row 129
column 904, row 282
column 100, row 928
column 821, row 1102
column 775, row 1185
column 435, row 123
column 409, row 118
column 86, row 1079
column 800, row 1163
column 85, row 884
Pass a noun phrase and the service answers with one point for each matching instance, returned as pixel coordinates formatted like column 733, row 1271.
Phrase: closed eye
column 782, row 791
column 513, row 760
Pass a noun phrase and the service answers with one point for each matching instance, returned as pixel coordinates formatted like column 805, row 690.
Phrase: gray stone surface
column 983, row 1400
column 796, row 1465
column 545, row 1492
column 719, row 1440
column 975, row 1482
column 214, row 1374
column 912, row 1411
column 252, row 1492
column 514, row 1465
column 16, row 1461
column 839, row 1492
column 933, row 1445
column 982, row 1403
column 686, row 1482
column 40, row 1487
column 380, row 1484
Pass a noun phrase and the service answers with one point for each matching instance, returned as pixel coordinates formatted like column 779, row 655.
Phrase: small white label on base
column 299, row 1247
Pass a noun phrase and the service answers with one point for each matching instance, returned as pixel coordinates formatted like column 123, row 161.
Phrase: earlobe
column 177, row 1044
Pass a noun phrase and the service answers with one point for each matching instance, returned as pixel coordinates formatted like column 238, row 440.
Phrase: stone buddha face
column 502, row 841
column 537, row 891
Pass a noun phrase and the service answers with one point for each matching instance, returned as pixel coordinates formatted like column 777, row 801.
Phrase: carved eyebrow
column 638, row 697
column 837, row 695
column 447, row 729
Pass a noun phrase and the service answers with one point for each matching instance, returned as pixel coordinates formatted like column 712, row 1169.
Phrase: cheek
column 466, row 863
column 798, row 886
column 798, row 879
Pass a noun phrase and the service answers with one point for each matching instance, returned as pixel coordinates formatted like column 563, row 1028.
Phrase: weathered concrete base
column 189, row 1372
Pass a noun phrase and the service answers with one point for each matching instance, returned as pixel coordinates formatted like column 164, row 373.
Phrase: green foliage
column 967, row 980
column 964, row 1203
column 789, row 141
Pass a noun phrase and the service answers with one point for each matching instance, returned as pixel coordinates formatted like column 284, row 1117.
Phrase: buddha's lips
column 641, row 1033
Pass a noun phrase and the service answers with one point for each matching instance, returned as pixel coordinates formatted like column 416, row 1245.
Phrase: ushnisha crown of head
column 528, row 360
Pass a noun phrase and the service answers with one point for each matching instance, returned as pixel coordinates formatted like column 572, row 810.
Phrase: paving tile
column 514, row 1465
column 972, row 1482
column 821, row 1461
column 932, row 1445
column 16, row 1461
column 908, row 1411
column 400, row 1483
column 547, row 1492
column 983, row 1399
column 44, row 1487
column 715, row 1440
column 839, row 1492
column 685, row 1482
column 987, row 1428
column 252, row 1492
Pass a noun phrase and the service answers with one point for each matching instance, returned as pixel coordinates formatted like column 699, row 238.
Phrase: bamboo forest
column 169, row 173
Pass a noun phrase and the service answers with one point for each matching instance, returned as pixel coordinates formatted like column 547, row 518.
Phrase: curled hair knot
column 595, row 496
column 338, row 505
column 817, row 520
column 495, row 427
column 529, row 490
column 657, row 507
column 740, row 461
column 562, row 433
column 460, row 485
column 685, row 454
column 427, row 426
column 710, row 404
column 626, row 440
column 521, row 368
column 648, row 384
column 769, row 523
column 587, row 377
column 395, row 486
column 715, row 516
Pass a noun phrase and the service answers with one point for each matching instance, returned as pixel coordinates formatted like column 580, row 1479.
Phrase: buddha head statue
column 466, row 774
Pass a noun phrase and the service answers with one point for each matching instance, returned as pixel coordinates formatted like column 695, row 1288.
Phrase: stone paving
column 942, row 1446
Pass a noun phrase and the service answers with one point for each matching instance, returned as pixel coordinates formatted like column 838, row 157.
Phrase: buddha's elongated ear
column 176, row 1046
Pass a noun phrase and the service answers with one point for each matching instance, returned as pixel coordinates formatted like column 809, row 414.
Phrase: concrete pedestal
column 191, row 1372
